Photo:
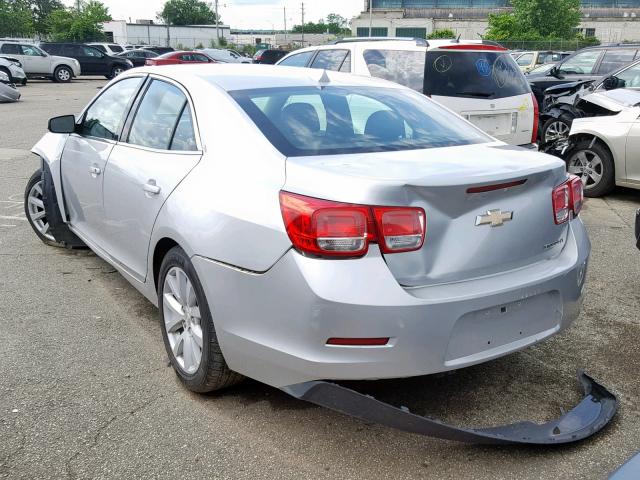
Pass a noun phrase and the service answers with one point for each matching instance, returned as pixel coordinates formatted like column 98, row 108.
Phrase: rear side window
column 104, row 117
column 484, row 74
column 184, row 137
column 115, row 48
column 11, row 48
column 581, row 63
column 330, row 59
column 614, row 59
column 297, row 60
column 157, row 116
column 400, row 66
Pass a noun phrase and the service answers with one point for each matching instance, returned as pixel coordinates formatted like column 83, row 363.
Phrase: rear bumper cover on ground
column 595, row 410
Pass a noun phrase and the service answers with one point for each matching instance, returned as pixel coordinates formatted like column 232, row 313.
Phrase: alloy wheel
column 555, row 131
column 587, row 165
column 64, row 75
column 37, row 212
column 182, row 319
column 117, row 71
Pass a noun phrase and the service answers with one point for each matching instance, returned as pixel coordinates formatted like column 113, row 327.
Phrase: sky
column 258, row 14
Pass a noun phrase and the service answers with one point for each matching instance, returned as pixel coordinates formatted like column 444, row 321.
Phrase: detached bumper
column 274, row 326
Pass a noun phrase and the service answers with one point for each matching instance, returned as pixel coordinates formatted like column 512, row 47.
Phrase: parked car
column 138, row 57
column 12, row 68
column 560, row 102
column 269, row 56
column 360, row 230
column 225, row 56
column 587, row 64
column 604, row 146
column 175, row 58
column 108, row 48
column 92, row 61
column 37, row 63
column 157, row 49
column 8, row 91
column 527, row 61
column 477, row 80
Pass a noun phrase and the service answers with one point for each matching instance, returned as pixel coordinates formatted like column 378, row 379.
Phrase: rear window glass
column 331, row 120
column 614, row 59
column 115, row 48
column 405, row 67
column 484, row 74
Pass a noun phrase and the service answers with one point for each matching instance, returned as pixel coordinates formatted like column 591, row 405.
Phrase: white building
column 148, row 33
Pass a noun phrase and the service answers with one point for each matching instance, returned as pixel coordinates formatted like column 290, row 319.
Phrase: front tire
column 62, row 74
column 557, row 128
column 35, row 210
column 187, row 327
column 594, row 165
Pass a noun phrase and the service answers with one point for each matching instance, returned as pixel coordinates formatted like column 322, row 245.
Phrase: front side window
column 198, row 57
column 405, row 67
column 104, row 117
column 467, row 74
column 187, row 57
column 302, row 121
column 31, row 51
column 524, row 60
column 91, row 52
column 581, row 63
column 615, row 58
column 330, row 59
column 100, row 47
column 297, row 60
column 157, row 116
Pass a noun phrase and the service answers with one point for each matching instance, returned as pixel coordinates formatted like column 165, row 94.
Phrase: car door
column 35, row 59
column 95, row 61
column 86, row 154
column 159, row 150
column 632, row 157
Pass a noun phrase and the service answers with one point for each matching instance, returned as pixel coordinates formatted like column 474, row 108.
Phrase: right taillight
column 567, row 198
column 334, row 229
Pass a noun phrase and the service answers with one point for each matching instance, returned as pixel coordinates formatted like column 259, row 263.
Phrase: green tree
column 444, row 33
column 41, row 9
column 536, row 20
column 187, row 12
column 334, row 23
column 15, row 18
column 83, row 25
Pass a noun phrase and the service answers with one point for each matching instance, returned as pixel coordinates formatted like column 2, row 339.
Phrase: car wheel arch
column 579, row 137
column 160, row 250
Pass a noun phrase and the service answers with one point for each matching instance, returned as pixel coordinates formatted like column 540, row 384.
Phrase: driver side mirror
column 555, row 72
column 62, row 124
column 611, row 83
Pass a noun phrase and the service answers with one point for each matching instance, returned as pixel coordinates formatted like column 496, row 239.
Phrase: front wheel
column 35, row 211
column 62, row 74
column 556, row 128
column 594, row 165
column 187, row 327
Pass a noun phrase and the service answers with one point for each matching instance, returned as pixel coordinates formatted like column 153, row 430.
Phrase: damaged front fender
column 595, row 410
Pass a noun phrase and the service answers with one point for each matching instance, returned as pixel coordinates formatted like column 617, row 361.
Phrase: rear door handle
column 151, row 188
column 95, row 171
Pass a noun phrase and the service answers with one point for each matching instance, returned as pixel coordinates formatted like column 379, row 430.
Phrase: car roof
column 232, row 76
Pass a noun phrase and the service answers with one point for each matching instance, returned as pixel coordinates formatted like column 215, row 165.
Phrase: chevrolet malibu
column 358, row 231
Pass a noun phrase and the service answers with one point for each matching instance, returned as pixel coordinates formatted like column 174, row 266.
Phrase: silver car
column 358, row 230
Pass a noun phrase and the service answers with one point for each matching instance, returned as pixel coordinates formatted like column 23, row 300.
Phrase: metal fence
column 563, row 45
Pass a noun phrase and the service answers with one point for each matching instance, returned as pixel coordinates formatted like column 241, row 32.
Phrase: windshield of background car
column 307, row 121
column 483, row 74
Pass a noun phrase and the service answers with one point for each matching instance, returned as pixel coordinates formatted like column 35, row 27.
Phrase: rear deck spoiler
column 595, row 410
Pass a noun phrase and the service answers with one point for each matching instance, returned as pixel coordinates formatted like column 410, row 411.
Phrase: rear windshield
column 473, row 75
column 304, row 121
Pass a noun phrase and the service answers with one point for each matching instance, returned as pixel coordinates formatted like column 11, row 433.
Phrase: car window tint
column 399, row 66
column 31, row 51
column 184, row 137
column 115, row 48
column 615, row 58
column 631, row 77
column 100, row 47
column 525, row 59
column 11, row 48
column 186, row 58
column 104, row 117
column 297, row 60
column 90, row 52
column 581, row 63
column 361, row 108
column 157, row 115
column 329, row 59
column 200, row 58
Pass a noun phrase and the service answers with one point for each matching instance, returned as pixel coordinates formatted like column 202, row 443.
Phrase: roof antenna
column 324, row 79
column 458, row 38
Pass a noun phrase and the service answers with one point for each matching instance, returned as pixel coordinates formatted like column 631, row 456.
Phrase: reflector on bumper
column 595, row 410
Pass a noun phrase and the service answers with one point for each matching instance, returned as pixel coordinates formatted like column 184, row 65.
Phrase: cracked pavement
column 86, row 391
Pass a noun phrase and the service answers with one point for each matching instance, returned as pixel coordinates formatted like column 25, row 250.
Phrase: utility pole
column 370, row 17
column 303, row 24
column 217, row 23
column 285, row 24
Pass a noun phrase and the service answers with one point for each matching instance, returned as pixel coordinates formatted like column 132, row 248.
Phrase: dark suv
column 92, row 61
column 269, row 57
column 587, row 64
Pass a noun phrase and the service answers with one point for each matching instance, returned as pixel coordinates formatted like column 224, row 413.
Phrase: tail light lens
column 567, row 198
column 334, row 229
column 536, row 119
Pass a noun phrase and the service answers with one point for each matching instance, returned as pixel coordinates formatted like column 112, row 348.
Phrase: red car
column 174, row 58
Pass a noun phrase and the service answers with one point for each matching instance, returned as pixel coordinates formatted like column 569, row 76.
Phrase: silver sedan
column 295, row 224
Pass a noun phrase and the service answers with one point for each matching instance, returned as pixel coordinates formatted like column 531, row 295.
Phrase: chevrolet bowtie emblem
column 495, row 218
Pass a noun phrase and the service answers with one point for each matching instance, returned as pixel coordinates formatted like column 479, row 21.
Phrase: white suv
column 478, row 80
column 38, row 63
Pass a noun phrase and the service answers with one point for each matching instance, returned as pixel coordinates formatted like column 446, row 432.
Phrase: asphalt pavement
column 86, row 390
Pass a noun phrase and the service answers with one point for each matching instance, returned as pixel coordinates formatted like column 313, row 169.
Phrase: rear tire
column 115, row 71
column 594, row 165
column 62, row 74
column 187, row 327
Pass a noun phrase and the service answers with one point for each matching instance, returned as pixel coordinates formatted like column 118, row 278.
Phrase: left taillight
column 567, row 198
column 334, row 229
column 536, row 119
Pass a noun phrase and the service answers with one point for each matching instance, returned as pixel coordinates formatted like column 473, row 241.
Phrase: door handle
column 151, row 188
column 95, row 171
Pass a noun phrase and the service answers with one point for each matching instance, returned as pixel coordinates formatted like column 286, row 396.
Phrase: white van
column 478, row 80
